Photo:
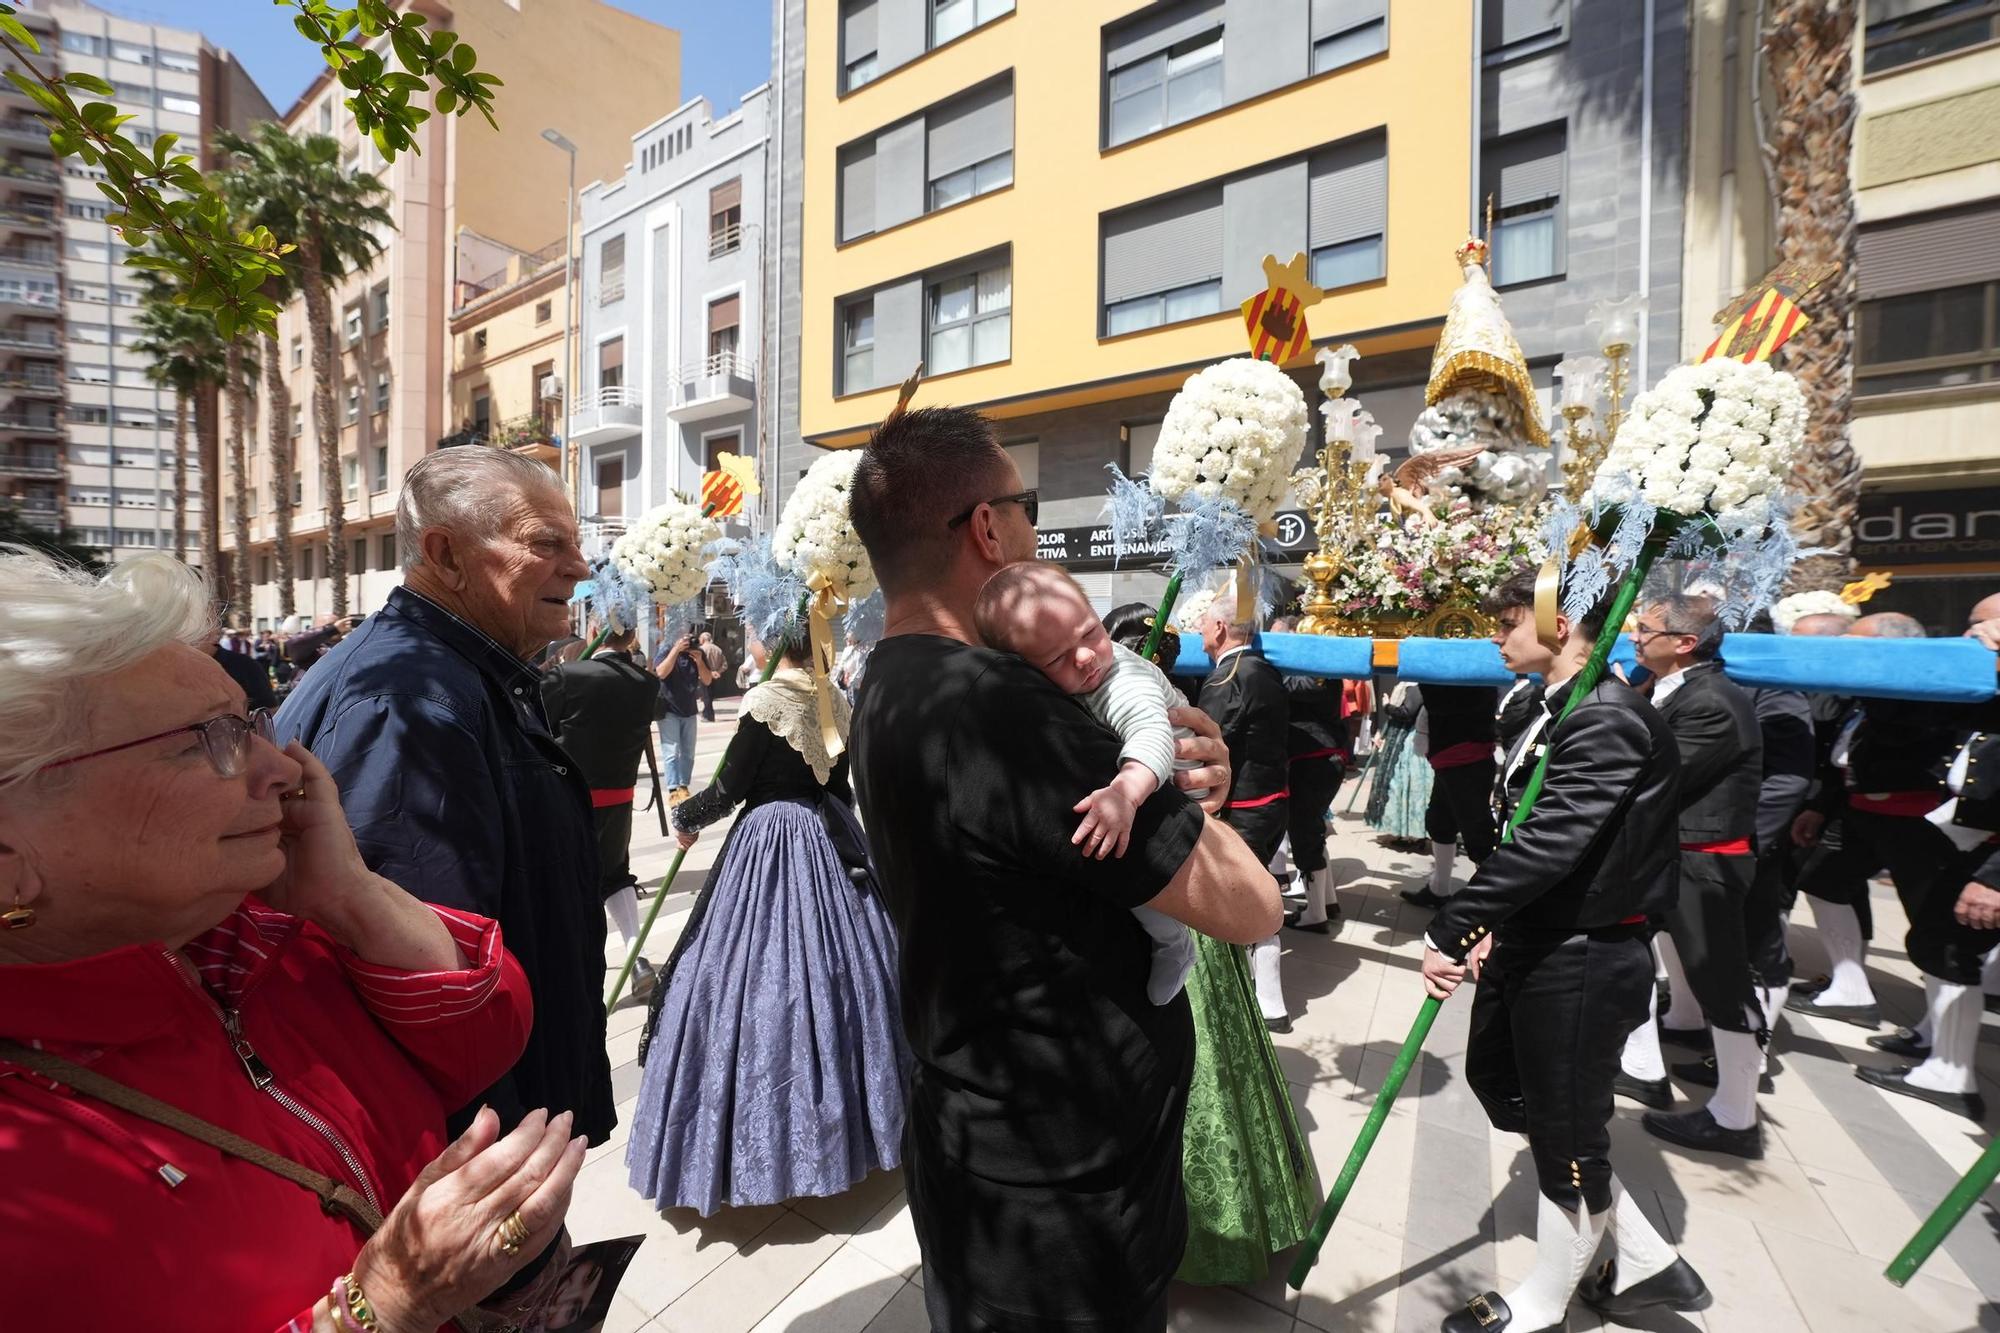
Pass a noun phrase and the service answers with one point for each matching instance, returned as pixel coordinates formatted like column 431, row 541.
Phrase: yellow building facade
column 507, row 324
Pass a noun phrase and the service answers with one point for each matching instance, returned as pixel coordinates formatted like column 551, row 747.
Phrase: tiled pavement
column 1445, row 1206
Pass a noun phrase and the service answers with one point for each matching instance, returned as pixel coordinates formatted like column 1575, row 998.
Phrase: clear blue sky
column 725, row 44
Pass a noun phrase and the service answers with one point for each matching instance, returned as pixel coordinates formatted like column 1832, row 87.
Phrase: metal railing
column 14, row 296
column 719, row 363
column 20, row 421
column 22, row 172
column 725, row 240
column 31, row 461
column 26, row 216
column 36, row 504
column 30, row 256
column 612, row 291
column 30, row 380
column 619, row 395
column 24, row 338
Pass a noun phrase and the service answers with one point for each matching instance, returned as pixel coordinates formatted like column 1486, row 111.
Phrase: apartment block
column 673, row 309
column 1059, row 209
column 568, row 66
column 1926, row 173
column 32, row 453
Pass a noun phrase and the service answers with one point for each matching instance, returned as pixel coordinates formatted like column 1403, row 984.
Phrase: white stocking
column 1954, row 1015
column 1840, row 931
column 1441, row 857
column 1642, row 1047
column 1773, row 999
column 1739, row 1060
column 1683, row 1010
column 1565, row 1242
column 1264, row 974
column 624, row 908
column 1319, row 892
column 1642, row 1251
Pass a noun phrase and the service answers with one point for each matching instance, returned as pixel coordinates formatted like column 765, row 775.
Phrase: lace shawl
column 788, row 705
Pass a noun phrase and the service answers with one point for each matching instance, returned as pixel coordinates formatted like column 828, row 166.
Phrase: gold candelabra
column 1346, row 508
column 1584, row 448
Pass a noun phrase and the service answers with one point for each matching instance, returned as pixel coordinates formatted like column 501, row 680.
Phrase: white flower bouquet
column 1717, row 438
column 1234, row 432
column 666, row 552
column 1413, row 568
column 815, row 534
column 1789, row 611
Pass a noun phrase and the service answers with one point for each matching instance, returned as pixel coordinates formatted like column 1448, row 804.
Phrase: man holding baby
column 1043, row 1154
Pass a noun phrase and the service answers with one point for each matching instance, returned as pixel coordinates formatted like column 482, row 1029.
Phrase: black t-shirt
column 678, row 690
column 1044, row 1140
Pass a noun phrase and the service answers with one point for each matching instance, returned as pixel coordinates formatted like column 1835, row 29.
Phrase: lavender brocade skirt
column 777, row 1068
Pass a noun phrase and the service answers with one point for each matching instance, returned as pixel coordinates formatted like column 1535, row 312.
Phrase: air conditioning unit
column 552, row 386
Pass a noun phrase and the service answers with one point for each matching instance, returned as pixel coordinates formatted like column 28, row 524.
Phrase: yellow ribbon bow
column 825, row 599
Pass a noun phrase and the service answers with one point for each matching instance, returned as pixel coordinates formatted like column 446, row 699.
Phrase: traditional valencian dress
column 1401, row 790
column 774, row 1054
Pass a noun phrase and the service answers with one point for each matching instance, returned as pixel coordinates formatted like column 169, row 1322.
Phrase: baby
column 1037, row 611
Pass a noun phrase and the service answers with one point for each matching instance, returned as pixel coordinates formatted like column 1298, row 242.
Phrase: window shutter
column 725, row 314
column 610, row 356
column 857, row 31
column 1928, row 252
column 857, row 193
column 1175, row 24
column 899, row 174
column 725, row 196
column 1333, row 16
column 1883, row 11
column 1349, row 194
column 972, row 129
column 1160, row 246
column 1526, row 170
column 1510, row 21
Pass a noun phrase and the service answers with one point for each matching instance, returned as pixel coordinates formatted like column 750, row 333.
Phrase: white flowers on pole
column 1717, row 438
column 666, row 552
column 1234, row 432
column 815, row 534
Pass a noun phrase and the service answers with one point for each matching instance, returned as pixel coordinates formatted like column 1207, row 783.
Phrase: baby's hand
column 1109, row 811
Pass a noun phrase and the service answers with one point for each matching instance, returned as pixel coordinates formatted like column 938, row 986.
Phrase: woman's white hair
column 62, row 627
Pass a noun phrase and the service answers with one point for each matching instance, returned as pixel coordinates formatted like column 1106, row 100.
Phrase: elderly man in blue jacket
column 431, row 720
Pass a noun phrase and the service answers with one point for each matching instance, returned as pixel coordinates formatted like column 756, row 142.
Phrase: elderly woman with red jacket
column 212, row 1015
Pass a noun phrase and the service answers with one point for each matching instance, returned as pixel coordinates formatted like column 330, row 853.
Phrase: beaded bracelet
column 351, row 1309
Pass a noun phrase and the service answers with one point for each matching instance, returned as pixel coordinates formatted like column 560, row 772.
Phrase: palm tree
column 239, row 365
column 299, row 189
column 1809, row 144
column 186, row 355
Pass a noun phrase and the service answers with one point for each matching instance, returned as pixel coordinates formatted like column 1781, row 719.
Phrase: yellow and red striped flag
column 722, row 490
column 1759, row 331
column 1275, row 318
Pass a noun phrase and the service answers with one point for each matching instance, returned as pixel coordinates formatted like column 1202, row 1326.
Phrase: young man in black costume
column 1555, row 927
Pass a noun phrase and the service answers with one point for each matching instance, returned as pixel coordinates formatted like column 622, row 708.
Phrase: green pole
column 1161, row 616
column 660, row 896
column 1586, row 680
column 1948, row 1214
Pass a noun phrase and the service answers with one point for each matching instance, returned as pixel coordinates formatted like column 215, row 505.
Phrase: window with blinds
column 857, row 346
column 1163, row 261
column 611, row 363
column 1524, row 176
column 1347, row 31
column 1162, row 69
column 725, row 318
column 971, row 319
column 1902, row 32
column 1510, row 28
column 944, row 155
column 1347, row 213
column 611, row 270
column 876, row 38
column 1929, row 310
column 858, row 63
column 725, row 218
column 969, row 144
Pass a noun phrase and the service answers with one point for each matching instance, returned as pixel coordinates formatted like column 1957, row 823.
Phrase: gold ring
column 512, row 1233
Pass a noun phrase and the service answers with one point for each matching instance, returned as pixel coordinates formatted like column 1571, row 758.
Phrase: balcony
column 23, row 130
column 45, row 463
column 612, row 289
column 18, row 422
column 15, row 299
column 30, row 174
column 22, row 217
column 36, row 513
column 607, row 414
column 42, row 257
column 714, row 386
column 725, row 241
column 30, row 381
column 528, row 436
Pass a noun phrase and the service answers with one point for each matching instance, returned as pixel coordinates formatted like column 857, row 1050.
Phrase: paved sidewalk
column 1445, row 1207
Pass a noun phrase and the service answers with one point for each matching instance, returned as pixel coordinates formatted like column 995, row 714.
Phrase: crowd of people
column 319, row 1036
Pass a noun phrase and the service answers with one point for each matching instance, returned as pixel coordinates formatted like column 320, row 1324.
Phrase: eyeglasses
column 1030, row 502
column 1640, row 634
column 225, row 739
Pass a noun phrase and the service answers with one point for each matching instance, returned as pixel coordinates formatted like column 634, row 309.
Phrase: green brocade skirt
column 1246, row 1167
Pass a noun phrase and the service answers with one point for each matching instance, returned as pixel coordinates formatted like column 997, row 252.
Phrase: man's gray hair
column 1692, row 613
column 466, row 489
column 1891, row 625
column 62, row 627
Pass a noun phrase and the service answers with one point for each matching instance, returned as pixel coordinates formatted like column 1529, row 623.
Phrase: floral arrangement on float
column 1415, row 569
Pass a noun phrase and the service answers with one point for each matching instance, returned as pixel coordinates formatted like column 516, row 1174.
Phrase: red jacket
column 113, row 1222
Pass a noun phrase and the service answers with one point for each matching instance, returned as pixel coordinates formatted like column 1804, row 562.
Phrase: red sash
column 603, row 796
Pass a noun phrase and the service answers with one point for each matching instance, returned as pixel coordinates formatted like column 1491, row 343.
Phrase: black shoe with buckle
column 1279, row 1025
column 1968, row 1104
column 1861, row 1015
column 1678, row 1287
column 1697, row 1129
column 1489, row 1314
column 1656, row 1093
column 1701, row 1074
column 1903, row 1043
column 1422, row 897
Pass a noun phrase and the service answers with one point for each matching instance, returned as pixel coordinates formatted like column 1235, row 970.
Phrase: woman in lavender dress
column 774, row 1055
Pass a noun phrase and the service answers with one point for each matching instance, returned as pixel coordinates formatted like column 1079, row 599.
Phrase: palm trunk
column 278, row 421
column 319, row 317
column 180, row 474
column 1809, row 52
column 239, row 408
column 212, row 566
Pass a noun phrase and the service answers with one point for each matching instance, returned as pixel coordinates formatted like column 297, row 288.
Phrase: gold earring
column 18, row 917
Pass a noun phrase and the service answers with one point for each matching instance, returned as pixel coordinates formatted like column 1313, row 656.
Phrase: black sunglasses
column 1030, row 502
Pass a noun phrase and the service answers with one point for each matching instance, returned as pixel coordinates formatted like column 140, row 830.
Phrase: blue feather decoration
column 1208, row 533
column 1135, row 511
column 866, row 619
column 766, row 593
